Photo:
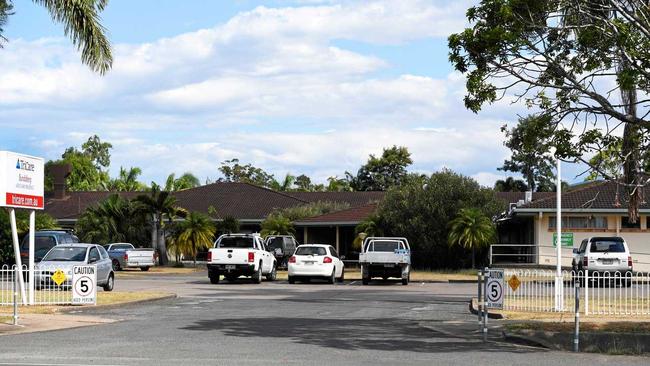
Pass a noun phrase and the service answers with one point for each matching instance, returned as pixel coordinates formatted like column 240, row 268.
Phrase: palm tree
column 185, row 181
column 277, row 224
column 196, row 232
column 80, row 21
column 229, row 225
column 371, row 226
column 127, row 181
column 113, row 220
column 159, row 204
column 471, row 229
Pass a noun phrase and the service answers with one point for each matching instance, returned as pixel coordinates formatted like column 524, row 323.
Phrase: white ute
column 385, row 257
column 237, row 255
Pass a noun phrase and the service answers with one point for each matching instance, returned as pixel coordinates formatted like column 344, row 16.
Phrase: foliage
column 42, row 221
column 81, row 22
column 286, row 185
column 530, row 144
column 228, row 225
column 370, row 226
column 277, row 224
column 570, row 59
column 113, row 220
column 194, row 233
column 303, row 183
column 127, row 181
column 89, row 166
column 510, row 184
column 312, row 209
column 234, row 172
column 98, row 151
column 471, row 229
column 336, row 184
column 381, row 173
column 421, row 208
column 185, row 181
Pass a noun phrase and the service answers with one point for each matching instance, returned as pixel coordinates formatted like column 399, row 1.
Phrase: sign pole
column 19, row 262
column 559, row 283
column 485, row 306
column 32, row 225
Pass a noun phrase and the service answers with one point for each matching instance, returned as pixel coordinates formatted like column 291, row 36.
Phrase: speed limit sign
column 494, row 289
column 84, row 285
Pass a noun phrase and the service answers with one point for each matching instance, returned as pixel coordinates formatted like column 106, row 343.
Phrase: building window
column 580, row 222
column 626, row 224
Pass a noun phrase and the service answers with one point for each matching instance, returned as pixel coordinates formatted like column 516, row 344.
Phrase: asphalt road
column 277, row 323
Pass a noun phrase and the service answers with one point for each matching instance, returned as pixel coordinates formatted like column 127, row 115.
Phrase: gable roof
column 75, row 203
column 350, row 216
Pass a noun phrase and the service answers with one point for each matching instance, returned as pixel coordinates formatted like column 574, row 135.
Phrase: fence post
column 479, row 299
column 586, row 292
column 576, row 333
column 16, row 285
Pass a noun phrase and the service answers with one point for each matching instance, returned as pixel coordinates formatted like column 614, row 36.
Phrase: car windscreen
column 275, row 243
column 66, row 254
column 607, row 246
column 311, row 251
column 384, row 246
column 236, row 242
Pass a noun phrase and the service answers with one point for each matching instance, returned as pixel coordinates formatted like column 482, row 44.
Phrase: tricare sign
column 22, row 181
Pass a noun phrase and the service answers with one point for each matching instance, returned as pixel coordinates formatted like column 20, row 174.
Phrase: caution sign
column 58, row 277
column 494, row 289
column 514, row 283
column 84, row 285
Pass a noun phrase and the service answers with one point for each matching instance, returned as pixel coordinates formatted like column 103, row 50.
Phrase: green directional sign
column 567, row 240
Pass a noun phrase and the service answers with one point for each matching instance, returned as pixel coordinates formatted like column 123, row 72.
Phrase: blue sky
column 291, row 86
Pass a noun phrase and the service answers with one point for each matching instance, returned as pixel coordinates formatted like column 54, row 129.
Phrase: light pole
column 559, row 282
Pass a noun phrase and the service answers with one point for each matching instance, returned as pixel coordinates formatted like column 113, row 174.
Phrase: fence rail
column 601, row 293
column 47, row 291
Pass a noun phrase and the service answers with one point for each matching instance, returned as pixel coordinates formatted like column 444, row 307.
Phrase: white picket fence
column 47, row 291
column 601, row 293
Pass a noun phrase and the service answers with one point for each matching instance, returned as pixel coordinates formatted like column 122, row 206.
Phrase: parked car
column 125, row 255
column 236, row 255
column 282, row 246
column 45, row 240
column 316, row 261
column 65, row 256
column 605, row 254
column 385, row 257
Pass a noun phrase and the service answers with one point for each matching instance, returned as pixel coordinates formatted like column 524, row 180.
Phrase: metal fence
column 601, row 293
column 51, row 286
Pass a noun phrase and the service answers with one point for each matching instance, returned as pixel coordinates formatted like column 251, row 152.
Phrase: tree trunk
column 154, row 233
column 161, row 243
column 631, row 152
column 473, row 258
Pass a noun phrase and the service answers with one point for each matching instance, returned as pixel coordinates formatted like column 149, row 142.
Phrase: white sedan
column 316, row 261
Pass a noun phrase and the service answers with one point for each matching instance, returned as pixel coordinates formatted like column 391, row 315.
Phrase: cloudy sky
column 291, row 86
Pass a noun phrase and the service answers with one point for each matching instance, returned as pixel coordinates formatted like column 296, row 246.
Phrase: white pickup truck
column 385, row 257
column 125, row 255
column 237, row 255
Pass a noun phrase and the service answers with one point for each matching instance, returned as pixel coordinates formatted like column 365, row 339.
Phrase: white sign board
column 22, row 181
column 494, row 289
column 84, row 285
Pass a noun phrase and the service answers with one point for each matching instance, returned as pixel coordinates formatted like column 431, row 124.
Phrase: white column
column 32, row 230
column 19, row 261
column 559, row 283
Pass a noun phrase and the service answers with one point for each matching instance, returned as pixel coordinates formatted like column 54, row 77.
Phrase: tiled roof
column 352, row 215
column 604, row 195
column 352, row 198
column 76, row 203
column 514, row 197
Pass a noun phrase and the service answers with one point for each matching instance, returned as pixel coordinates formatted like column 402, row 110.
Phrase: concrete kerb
column 70, row 309
column 474, row 310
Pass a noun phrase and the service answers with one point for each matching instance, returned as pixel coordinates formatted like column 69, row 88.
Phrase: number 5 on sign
column 494, row 289
column 84, row 285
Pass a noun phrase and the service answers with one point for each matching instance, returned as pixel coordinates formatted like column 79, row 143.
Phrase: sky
column 300, row 87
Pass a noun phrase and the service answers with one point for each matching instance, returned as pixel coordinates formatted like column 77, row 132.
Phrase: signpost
column 22, row 182
column 84, row 285
column 492, row 294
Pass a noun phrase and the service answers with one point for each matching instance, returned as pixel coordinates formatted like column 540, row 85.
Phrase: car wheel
column 214, row 278
column 116, row 265
column 110, row 283
column 257, row 276
column 272, row 275
column 340, row 279
column 292, row 280
column 332, row 278
column 405, row 281
column 144, row 269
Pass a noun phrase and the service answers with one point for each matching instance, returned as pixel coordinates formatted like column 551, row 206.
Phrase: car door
column 94, row 258
column 267, row 258
column 338, row 264
column 107, row 263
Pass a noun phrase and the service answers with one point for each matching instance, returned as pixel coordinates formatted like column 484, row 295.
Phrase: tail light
column 209, row 256
column 585, row 261
column 327, row 260
column 629, row 261
column 251, row 257
column 292, row 259
column 126, row 256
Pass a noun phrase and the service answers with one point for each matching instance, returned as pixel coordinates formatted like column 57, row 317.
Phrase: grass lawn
column 638, row 326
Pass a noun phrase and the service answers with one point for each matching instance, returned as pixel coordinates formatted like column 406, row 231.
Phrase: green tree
column 112, row 220
column 381, row 173
column 228, row 225
column 234, row 172
column 286, row 185
column 89, row 166
column 370, row 226
column 336, row 184
column 422, row 207
column 567, row 59
column 159, row 204
column 471, row 229
column 510, row 184
column 127, row 181
column 276, row 224
column 185, row 181
column 81, row 22
column 194, row 233
column 99, row 152
column 303, row 183
column 530, row 143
